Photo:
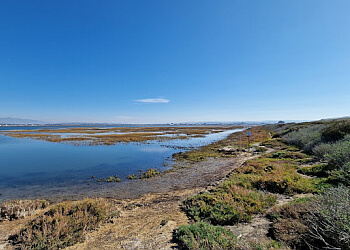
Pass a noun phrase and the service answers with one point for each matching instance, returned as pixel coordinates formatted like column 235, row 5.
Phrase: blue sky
column 174, row 61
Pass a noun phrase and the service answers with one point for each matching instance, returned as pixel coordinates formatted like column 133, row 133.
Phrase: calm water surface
column 28, row 163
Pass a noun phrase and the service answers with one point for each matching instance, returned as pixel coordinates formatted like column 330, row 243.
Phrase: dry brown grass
column 144, row 223
column 16, row 209
column 63, row 224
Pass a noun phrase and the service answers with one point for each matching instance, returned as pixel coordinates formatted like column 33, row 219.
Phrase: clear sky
column 138, row 61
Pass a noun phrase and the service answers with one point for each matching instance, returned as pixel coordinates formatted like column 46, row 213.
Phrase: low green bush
column 151, row 172
column 339, row 154
column 321, row 150
column 113, row 178
column 205, row 236
column 306, row 138
column 320, row 170
column 227, row 205
column 341, row 176
column 336, row 130
column 133, row 177
column 274, row 175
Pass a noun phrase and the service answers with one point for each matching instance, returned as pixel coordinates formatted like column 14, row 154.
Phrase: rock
column 228, row 150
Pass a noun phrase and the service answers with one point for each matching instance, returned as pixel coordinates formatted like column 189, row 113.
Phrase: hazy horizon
column 174, row 61
column 20, row 121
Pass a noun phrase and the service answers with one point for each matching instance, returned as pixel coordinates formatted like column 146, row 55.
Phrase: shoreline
column 128, row 188
column 143, row 205
column 148, row 209
column 194, row 175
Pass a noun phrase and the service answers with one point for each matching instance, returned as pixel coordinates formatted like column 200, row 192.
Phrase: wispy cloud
column 125, row 117
column 153, row 100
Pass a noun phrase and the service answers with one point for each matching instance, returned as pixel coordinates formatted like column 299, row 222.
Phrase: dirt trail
column 258, row 228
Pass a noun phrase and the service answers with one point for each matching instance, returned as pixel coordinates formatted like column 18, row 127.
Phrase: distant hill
column 10, row 120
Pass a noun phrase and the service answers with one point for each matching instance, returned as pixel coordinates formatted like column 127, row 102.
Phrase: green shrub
column 227, row 205
column 273, row 175
column 316, row 170
column 133, row 177
column 306, row 138
column 321, row 150
column 336, row 131
column 205, row 236
column 339, row 154
column 287, row 154
column 151, row 172
column 113, row 178
column 341, row 176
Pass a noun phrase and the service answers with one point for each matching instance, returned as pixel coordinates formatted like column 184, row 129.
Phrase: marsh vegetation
column 111, row 136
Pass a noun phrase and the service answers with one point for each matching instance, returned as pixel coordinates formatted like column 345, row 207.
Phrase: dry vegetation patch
column 16, row 209
column 63, row 224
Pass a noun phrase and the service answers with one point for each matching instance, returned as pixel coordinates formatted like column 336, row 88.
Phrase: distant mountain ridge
column 11, row 120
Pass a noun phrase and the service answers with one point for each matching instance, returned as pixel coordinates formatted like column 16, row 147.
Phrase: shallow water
column 28, row 163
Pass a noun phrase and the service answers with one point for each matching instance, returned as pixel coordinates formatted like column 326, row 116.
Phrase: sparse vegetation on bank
column 63, row 225
column 319, row 222
column 322, row 222
column 113, row 178
column 149, row 173
column 327, row 141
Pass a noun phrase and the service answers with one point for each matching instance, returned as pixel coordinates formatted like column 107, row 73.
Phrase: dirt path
column 258, row 228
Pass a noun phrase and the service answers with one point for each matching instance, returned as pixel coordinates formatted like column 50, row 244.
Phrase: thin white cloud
column 153, row 100
column 125, row 117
